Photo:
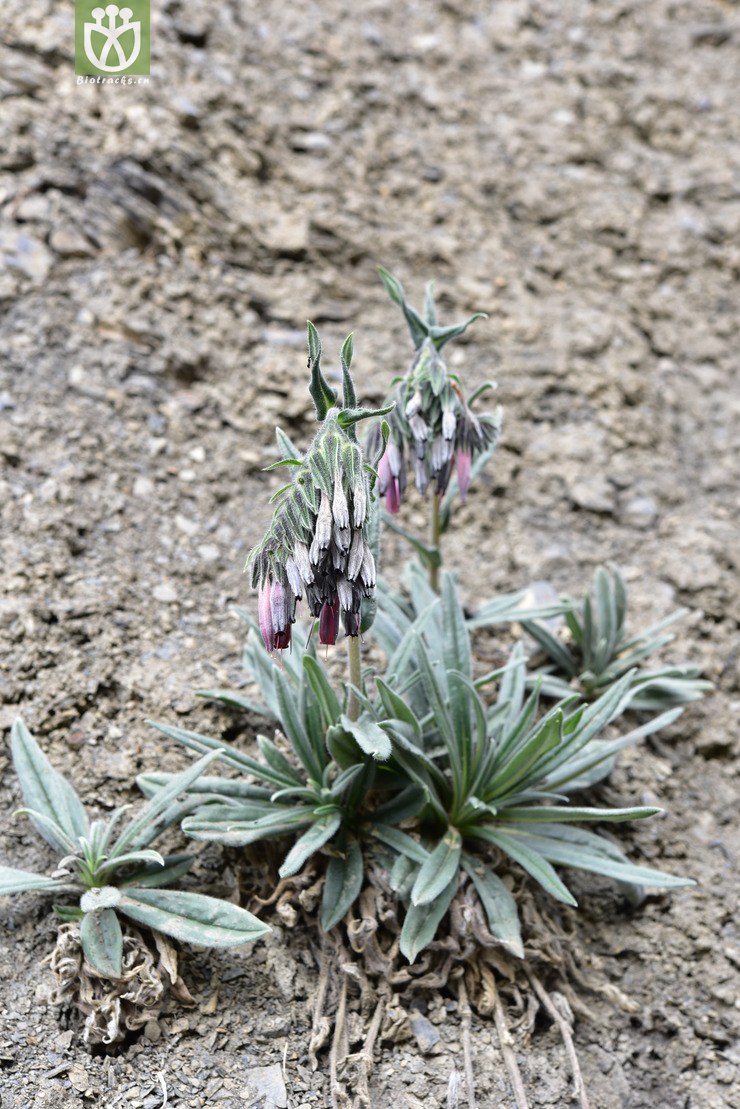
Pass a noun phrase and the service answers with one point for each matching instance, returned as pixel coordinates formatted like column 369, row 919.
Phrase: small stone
column 208, row 552
column 188, row 527
column 165, row 593
column 78, row 1078
column 22, row 252
column 187, row 475
column 425, row 1032
column 593, row 494
column 143, row 487
column 266, row 1083
column 197, row 454
column 68, row 241
column 152, row 1031
column 640, row 512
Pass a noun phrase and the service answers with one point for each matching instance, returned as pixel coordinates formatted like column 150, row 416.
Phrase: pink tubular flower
column 265, row 615
column 389, row 484
column 329, row 623
column 463, row 460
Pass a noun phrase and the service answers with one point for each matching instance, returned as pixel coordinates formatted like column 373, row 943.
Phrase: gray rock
column 268, row 1084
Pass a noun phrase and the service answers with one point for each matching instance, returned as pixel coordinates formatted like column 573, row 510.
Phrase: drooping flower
column 432, row 426
column 316, row 544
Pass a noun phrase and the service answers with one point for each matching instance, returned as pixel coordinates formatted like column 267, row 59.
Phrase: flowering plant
column 317, row 541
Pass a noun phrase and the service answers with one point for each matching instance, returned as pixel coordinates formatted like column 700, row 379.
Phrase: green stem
column 434, row 534
column 355, row 676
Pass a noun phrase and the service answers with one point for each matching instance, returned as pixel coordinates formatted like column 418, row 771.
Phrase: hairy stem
column 434, row 534
column 355, row 675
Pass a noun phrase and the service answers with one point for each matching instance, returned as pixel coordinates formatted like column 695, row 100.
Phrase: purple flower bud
column 463, row 459
column 329, row 623
column 384, row 472
column 351, row 623
column 265, row 615
column 448, row 423
column 393, row 496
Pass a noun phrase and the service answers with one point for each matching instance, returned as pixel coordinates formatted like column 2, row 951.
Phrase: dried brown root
column 463, row 1008
column 560, row 1012
column 506, row 1041
column 106, row 1009
column 339, row 1051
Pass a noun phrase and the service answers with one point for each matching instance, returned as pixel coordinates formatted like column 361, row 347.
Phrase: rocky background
column 569, row 168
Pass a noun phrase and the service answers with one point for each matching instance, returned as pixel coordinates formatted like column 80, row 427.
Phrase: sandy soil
column 569, row 168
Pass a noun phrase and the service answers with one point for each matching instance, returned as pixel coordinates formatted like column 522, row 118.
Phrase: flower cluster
column 316, row 544
column 432, row 426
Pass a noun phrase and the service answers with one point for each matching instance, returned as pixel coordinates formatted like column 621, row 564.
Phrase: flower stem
column 355, row 675
column 434, row 534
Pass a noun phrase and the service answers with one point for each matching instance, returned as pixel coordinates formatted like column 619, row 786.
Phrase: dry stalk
column 565, row 1029
column 506, row 1042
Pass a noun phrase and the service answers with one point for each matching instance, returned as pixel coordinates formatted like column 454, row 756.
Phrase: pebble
column 593, row 494
column 266, row 1083
column 208, row 552
column 165, row 593
column 188, row 527
column 425, row 1032
column 143, row 487
column 640, row 512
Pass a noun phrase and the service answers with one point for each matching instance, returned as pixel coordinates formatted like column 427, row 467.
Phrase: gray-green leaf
column 192, row 917
column 342, row 886
column 46, row 791
column 102, row 941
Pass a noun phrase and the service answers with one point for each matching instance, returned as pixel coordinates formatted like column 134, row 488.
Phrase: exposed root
column 107, row 1009
column 463, row 1008
column 321, row 1026
column 339, row 1050
column 506, row 1042
column 363, row 980
column 560, row 1012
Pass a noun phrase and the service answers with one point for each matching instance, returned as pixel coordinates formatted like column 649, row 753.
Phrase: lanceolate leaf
column 175, row 866
column 438, row 870
column 422, row 921
column 310, row 842
column 342, row 885
column 46, row 791
column 192, row 917
column 575, row 847
column 18, row 881
column 146, row 826
column 498, row 904
column 512, row 842
column 234, row 700
column 102, row 941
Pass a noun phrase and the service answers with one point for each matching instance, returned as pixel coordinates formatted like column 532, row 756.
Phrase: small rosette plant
column 317, row 543
column 595, row 650
column 109, row 870
column 433, row 427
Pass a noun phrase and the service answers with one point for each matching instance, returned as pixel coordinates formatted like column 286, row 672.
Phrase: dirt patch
column 567, row 168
